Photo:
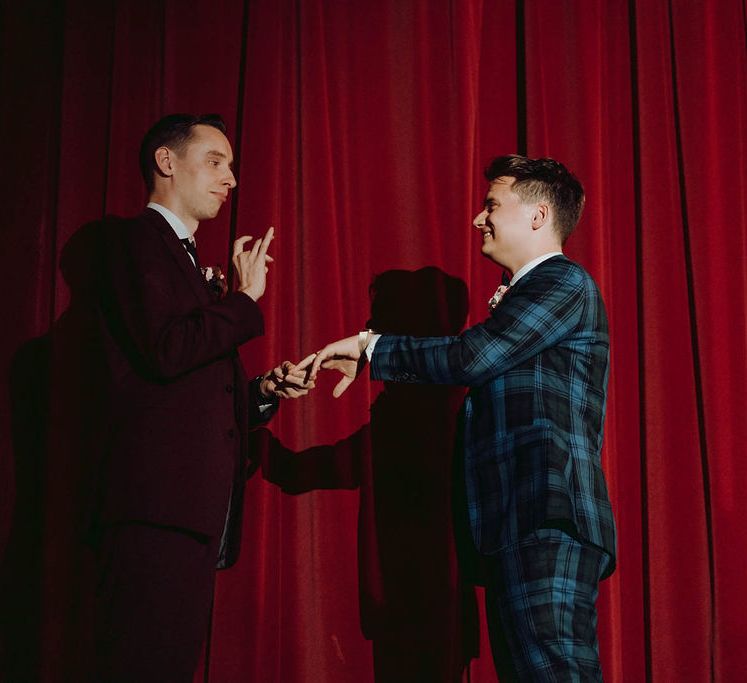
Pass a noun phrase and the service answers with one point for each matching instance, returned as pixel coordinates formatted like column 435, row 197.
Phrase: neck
column 165, row 200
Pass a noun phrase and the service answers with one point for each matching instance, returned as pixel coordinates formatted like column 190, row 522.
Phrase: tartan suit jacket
column 532, row 422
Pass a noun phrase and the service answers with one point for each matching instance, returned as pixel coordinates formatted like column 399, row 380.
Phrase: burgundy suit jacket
column 179, row 404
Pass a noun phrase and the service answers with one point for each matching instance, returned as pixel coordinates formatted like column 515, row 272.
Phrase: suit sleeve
column 155, row 315
column 540, row 313
column 261, row 409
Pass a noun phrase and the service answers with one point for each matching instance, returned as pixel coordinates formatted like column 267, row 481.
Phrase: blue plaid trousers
column 542, row 617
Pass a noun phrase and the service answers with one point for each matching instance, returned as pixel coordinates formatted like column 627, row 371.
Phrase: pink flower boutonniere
column 496, row 298
column 216, row 281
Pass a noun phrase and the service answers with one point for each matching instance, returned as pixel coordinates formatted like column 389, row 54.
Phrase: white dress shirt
column 177, row 225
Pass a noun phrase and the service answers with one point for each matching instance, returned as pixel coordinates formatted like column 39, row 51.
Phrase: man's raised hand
column 251, row 265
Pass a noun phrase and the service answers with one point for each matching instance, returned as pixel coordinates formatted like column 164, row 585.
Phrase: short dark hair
column 543, row 179
column 173, row 131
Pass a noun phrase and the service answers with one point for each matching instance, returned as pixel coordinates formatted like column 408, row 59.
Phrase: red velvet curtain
column 360, row 130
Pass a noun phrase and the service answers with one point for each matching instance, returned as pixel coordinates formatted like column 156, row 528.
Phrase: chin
column 210, row 213
column 487, row 250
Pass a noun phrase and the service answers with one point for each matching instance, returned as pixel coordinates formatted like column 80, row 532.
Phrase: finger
column 294, row 379
column 266, row 240
column 305, row 367
column 342, row 385
column 321, row 356
column 238, row 245
column 255, row 249
column 269, row 259
column 302, row 365
column 286, row 367
column 296, row 375
column 298, row 382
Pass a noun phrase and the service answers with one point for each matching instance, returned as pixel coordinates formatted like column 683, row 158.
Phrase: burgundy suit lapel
column 192, row 275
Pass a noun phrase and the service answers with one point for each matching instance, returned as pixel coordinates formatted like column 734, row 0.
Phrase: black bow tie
column 191, row 248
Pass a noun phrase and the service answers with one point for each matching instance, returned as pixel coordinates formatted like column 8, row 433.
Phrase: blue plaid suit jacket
column 532, row 421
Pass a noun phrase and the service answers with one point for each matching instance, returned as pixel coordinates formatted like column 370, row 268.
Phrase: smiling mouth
column 487, row 234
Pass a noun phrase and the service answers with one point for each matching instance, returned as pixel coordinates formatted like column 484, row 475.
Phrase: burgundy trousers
column 153, row 603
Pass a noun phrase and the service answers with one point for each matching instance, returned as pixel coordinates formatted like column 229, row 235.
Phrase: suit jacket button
column 229, row 388
column 230, row 433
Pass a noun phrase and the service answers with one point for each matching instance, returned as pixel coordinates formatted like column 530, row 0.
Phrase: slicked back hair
column 173, row 131
column 543, row 180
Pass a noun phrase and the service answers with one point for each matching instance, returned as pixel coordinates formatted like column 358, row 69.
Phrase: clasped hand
column 291, row 381
column 346, row 356
column 285, row 381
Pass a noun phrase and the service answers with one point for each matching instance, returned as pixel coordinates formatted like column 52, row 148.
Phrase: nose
column 230, row 179
column 479, row 220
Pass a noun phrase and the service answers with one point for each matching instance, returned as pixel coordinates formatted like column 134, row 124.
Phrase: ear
column 540, row 216
column 164, row 156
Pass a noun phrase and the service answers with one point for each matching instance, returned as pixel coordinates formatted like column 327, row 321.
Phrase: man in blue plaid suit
column 531, row 423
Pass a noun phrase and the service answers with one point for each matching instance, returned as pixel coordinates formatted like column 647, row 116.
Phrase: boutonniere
column 496, row 298
column 215, row 280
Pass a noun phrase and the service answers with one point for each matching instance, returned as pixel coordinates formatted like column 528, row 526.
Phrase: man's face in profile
column 202, row 175
column 504, row 223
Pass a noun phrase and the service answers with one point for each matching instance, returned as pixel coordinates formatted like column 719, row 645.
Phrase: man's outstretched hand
column 285, row 381
column 346, row 356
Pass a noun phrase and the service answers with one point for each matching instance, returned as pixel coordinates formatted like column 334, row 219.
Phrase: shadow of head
column 81, row 258
column 424, row 302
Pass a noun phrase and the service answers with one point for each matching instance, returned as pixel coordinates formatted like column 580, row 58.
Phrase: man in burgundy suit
column 169, row 488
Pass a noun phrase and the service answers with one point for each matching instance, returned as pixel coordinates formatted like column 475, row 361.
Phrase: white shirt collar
column 532, row 264
column 181, row 230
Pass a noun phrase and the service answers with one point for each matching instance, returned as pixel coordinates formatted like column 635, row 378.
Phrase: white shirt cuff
column 371, row 344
